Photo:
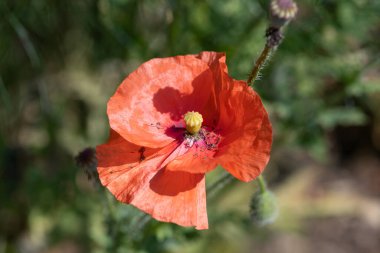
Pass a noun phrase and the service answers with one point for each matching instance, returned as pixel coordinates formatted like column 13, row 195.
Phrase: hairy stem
column 259, row 64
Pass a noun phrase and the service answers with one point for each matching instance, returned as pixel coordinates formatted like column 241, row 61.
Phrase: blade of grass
column 29, row 47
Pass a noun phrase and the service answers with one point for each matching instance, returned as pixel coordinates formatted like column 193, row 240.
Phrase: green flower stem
column 262, row 184
column 219, row 184
column 226, row 178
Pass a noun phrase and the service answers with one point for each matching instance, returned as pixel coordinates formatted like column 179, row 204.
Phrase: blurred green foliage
column 61, row 60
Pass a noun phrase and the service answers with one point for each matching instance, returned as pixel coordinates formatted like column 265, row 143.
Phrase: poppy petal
column 213, row 59
column 118, row 151
column 151, row 99
column 197, row 159
column 118, row 156
column 248, row 163
column 217, row 63
column 170, row 196
column 176, row 196
column 244, row 151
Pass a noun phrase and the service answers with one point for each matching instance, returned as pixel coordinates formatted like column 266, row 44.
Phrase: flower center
column 193, row 121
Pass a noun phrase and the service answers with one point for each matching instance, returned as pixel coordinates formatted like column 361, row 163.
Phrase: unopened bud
column 263, row 208
column 282, row 11
column 86, row 160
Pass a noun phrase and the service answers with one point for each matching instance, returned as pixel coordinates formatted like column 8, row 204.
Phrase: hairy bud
column 86, row 160
column 263, row 208
column 282, row 11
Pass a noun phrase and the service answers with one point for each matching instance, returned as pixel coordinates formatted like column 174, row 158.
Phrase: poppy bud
column 263, row 208
column 86, row 160
column 282, row 11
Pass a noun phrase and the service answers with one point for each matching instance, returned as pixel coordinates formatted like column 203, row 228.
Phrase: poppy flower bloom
column 173, row 120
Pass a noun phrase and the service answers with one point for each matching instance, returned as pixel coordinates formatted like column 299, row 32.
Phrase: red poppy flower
column 172, row 120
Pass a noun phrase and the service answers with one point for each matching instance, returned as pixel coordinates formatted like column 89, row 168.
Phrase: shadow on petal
column 194, row 97
column 171, row 183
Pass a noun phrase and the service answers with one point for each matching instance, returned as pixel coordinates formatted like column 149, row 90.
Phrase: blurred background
column 60, row 61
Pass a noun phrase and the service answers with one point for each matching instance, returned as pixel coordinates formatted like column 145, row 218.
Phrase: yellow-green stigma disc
column 193, row 121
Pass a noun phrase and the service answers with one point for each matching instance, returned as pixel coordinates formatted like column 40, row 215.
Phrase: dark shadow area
column 171, row 183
